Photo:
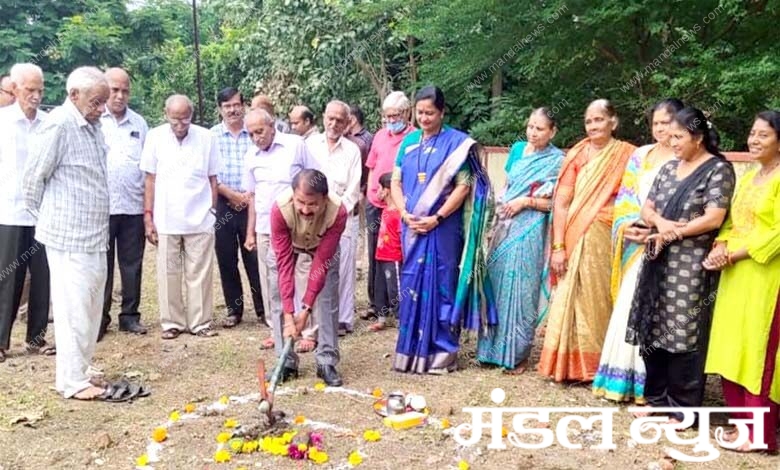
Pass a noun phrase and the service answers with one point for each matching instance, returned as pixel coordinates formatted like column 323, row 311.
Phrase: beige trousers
column 187, row 259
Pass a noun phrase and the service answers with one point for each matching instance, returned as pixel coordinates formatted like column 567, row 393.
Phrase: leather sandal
column 172, row 333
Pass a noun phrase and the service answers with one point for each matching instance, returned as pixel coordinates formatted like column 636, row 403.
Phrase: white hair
column 20, row 71
column 264, row 115
column 85, row 78
column 397, row 100
column 171, row 99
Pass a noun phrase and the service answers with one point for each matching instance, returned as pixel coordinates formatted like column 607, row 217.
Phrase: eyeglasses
column 393, row 117
column 228, row 107
column 182, row 122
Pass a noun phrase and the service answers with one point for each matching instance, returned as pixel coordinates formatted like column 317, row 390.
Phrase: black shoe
column 103, row 328
column 134, row 327
column 261, row 319
column 288, row 373
column 329, row 375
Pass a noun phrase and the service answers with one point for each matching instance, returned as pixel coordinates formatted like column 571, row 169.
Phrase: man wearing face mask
column 232, row 213
column 381, row 158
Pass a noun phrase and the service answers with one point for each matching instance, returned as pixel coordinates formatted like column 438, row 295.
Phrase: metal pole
column 199, row 79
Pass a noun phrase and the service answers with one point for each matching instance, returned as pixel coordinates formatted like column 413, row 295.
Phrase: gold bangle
column 558, row 246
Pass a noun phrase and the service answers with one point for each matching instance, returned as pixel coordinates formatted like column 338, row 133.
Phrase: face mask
column 396, row 127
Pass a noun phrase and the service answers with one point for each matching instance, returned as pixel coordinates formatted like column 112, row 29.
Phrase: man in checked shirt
column 65, row 186
column 232, row 202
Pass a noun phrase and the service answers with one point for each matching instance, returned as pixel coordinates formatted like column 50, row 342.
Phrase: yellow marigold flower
column 265, row 444
column 224, row 399
column 371, row 435
column 222, row 456
column 236, row 444
column 463, row 465
column 319, row 386
column 317, row 456
column 159, row 434
column 504, row 431
column 299, row 419
column 223, row 437
column 230, row 423
column 287, row 437
column 174, row 416
column 303, row 447
column 355, row 458
column 445, row 423
column 142, row 461
column 377, row 393
column 249, row 447
column 189, row 408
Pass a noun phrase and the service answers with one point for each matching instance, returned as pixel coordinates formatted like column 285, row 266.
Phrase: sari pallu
column 518, row 263
column 621, row 374
column 430, row 316
column 581, row 307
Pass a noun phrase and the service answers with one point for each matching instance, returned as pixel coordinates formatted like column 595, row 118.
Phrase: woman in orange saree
column 581, row 252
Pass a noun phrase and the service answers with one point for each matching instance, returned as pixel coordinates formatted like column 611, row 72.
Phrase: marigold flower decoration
column 463, row 465
column 504, row 431
column 142, row 461
column 319, row 386
column 371, row 436
column 317, row 456
column 230, row 423
column 224, row 399
column 236, row 444
column 377, row 393
column 249, row 447
column 174, row 416
column 189, row 408
column 159, row 434
column 223, row 437
column 355, row 458
column 222, row 456
column 445, row 423
column 299, row 419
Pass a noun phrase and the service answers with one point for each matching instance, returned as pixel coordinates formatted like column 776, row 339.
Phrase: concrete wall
column 496, row 159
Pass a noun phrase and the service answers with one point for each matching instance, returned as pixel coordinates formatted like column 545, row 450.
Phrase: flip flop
column 123, row 391
column 267, row 343
column 172, row 333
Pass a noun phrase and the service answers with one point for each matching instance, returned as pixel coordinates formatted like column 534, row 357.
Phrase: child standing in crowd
column 388, row 256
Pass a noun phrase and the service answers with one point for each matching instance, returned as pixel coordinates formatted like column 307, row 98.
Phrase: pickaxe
column 267, row 393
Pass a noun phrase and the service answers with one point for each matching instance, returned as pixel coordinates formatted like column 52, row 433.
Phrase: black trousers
column 675, row 379
column 387, row 302
column 20, row 251
column 376, row 278
column 230, row 235
column 126, row 242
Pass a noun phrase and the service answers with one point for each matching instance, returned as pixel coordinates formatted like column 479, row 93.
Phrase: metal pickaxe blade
column 267, row 393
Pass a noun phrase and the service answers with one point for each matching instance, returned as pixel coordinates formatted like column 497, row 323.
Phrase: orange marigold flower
column 377, row 393
column 189, row 408
column 504, row 431
column 159, row 434
column 445, row 423
column 299, row 419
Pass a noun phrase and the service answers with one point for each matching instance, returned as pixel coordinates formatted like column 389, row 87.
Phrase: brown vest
column 307, row 233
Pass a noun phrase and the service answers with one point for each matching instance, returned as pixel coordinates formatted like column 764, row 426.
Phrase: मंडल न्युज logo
column 655, row 425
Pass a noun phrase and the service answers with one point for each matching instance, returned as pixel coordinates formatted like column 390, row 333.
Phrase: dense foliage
column 495, row 59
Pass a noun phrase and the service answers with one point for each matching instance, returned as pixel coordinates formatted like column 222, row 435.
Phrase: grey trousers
column 325, row 310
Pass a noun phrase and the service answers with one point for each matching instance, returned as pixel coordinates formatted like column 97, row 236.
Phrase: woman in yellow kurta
column 745, row 333
column 582, row 221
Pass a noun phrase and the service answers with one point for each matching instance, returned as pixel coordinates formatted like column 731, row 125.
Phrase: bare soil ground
column 72, row 434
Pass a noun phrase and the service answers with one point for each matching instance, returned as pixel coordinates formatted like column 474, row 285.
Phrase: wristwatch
column 439, row 218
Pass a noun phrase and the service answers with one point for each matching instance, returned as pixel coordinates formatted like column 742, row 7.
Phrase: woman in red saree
column 581, row 252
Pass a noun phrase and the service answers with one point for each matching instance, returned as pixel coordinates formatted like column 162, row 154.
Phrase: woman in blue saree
column 445, row 200
column 517, row 264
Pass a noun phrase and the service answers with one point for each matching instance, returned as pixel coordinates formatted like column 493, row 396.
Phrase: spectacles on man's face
column 393, row 117
column 228, row 107
column 180, row 122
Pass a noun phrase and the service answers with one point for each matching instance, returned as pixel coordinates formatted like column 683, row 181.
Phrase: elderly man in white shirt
column 125, row 131
column 66, row 186
column 18, row 249
column 340, row 160
column 269, row 167
column 181, row 161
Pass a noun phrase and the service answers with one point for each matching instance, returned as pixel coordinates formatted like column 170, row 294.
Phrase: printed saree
column 443, row 283
column 518, row 261
column 581, row 306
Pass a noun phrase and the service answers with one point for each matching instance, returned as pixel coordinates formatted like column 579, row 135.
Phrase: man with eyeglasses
column 125, row 132
column 18, row 248
column 7, row 97
column 232, row 202
column 181, row 161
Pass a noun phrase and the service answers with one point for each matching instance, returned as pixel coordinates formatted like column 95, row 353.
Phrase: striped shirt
column 232, row 151
column 65, row 182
